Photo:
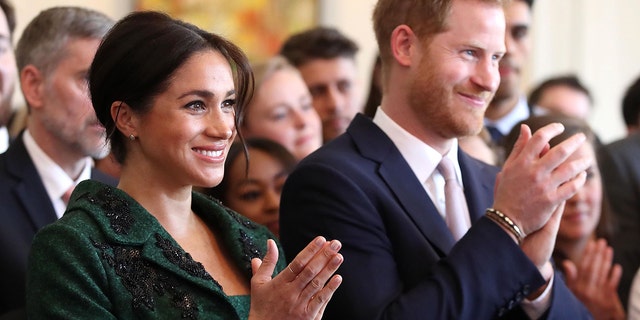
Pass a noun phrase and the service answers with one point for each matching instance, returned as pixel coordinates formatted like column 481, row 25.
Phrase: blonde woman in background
column 281, row 109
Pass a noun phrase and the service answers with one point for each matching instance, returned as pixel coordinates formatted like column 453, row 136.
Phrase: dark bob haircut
column 137, row 59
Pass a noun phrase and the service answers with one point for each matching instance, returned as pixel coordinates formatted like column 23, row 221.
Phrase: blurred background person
column 621, row 176
column 631, row 107
column 562, row 94
column 509, row 104
column 326, row 60
column 255, row 191
column 633, row 307
column 281, row 109
column 106, row 162
column 581, row 249
column 45, row 162
column 480, row 147
column 8, row 73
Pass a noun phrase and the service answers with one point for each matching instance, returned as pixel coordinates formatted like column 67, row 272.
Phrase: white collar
column 4, row 139
column 55, row 179
column 421, row 157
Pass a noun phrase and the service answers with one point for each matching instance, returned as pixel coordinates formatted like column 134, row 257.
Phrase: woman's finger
column 315, row 267
column 263, row 269
column 319, row 301
column 293, row 270
column 319, row 281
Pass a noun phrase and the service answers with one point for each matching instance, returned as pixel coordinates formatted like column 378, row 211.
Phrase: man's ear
column 125, row 119
column 403, row 44
column 32, row 85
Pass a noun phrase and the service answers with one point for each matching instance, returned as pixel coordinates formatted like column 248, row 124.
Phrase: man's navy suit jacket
column 25, row 208
column 400, row 261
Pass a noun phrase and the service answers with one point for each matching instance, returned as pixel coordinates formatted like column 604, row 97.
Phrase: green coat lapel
column 125, row 222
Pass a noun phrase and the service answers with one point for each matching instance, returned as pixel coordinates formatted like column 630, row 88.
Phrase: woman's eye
column 250, row 195
column 196, row 106
column 279, row 114
column 229, row 104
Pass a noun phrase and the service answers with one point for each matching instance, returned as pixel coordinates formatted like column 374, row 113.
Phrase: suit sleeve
column 484, row 276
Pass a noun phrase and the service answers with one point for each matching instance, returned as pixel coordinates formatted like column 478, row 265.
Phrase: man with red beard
column 326, row 61
column 54, row 153
column 509, row 105
column 388, row 187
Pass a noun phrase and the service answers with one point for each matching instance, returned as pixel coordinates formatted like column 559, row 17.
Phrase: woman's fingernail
column 337, row 260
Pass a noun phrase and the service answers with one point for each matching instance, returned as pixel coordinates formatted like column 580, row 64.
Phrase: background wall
column 595, row 39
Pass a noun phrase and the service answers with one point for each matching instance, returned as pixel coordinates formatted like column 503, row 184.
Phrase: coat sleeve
column 65, row 278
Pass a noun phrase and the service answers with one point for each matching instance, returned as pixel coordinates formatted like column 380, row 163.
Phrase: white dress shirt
column 422, row 158
column 55, row 180
column 4, row 139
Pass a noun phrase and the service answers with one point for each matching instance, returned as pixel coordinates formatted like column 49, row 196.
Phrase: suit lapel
column 29, row 188
column 373, row 143
column 479, row 180
column 416, row 203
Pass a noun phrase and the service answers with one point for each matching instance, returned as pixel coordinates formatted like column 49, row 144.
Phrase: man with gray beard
column 53, row 154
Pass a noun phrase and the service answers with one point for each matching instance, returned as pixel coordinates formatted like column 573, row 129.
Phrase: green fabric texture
column 109, row 258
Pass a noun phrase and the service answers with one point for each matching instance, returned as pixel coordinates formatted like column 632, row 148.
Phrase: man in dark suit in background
column 8, row 72
column 326, row 60
column 54, row 153
column 378, row 188
column 620, row 170
column 509, row 104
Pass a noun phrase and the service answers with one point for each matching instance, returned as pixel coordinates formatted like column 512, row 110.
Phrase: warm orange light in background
column 258, row 26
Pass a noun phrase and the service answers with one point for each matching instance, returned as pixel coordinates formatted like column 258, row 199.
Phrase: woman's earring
column 132, row 137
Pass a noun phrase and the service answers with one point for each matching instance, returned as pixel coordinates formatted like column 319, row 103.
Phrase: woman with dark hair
column 169, row 95
column 581, row 248
column 254, row 191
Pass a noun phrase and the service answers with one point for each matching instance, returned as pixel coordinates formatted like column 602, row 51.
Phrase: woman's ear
column 124, row 118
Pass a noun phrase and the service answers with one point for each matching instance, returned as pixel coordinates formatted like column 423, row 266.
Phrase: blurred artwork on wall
column 257, row 26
